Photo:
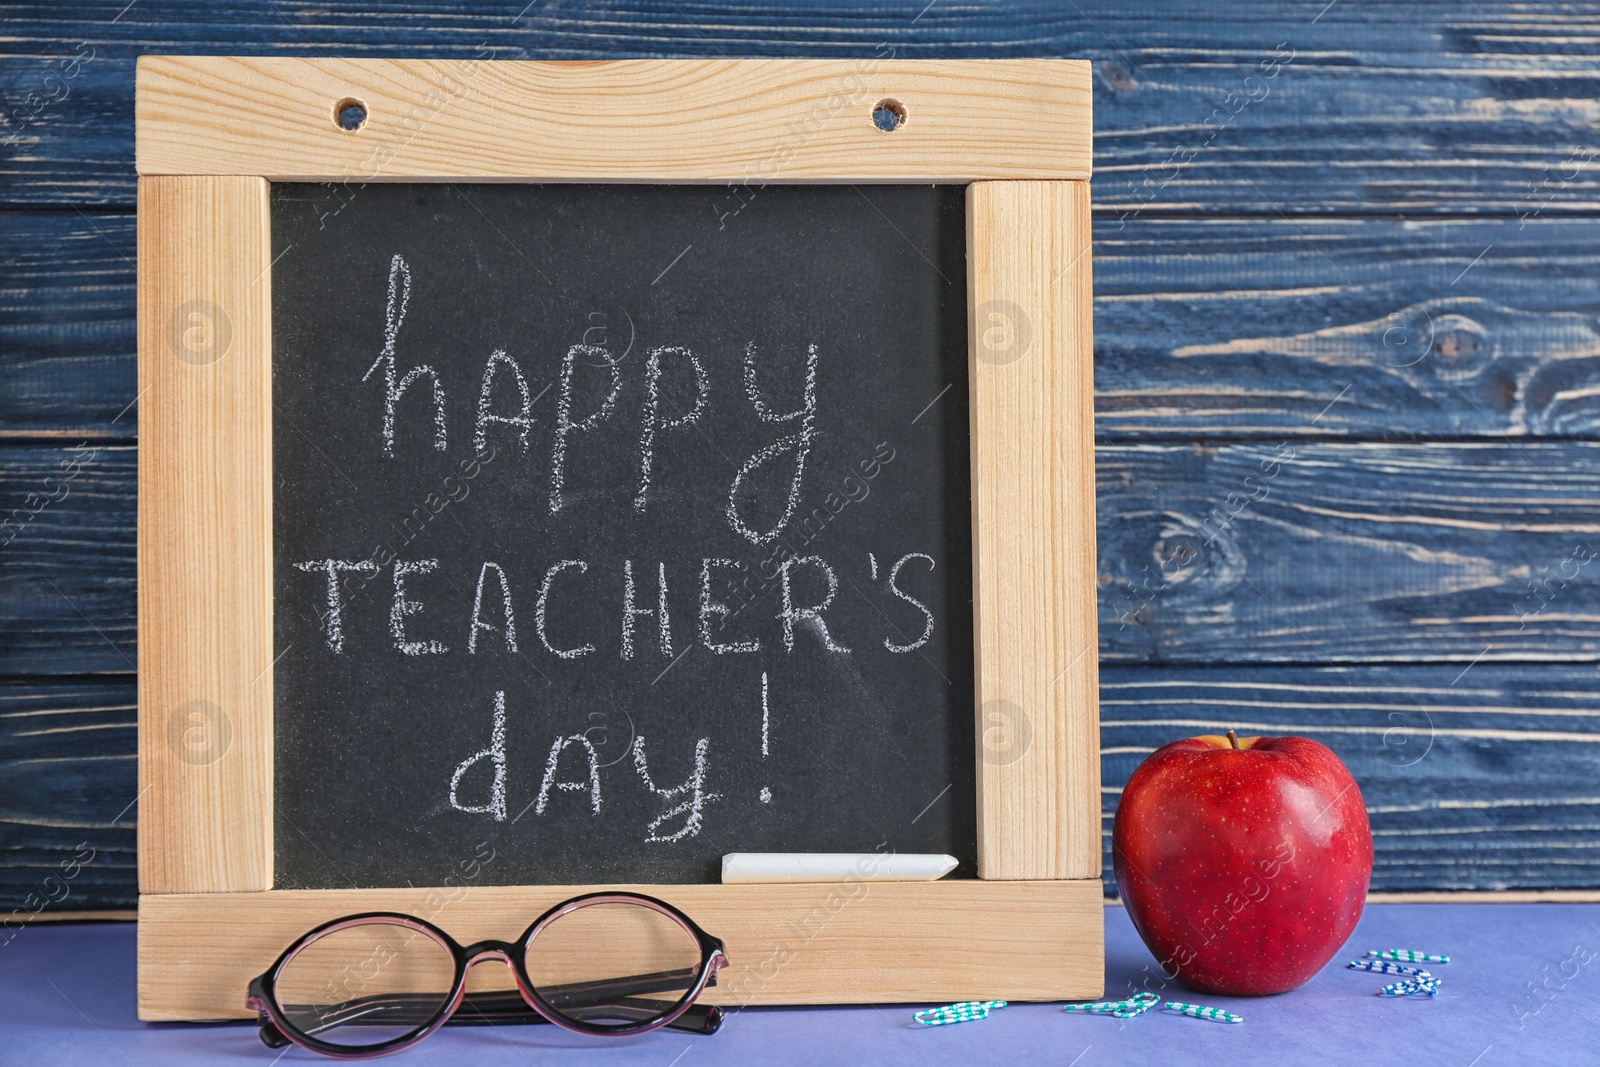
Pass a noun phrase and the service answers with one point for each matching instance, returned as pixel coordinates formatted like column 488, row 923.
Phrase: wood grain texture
column 1480, row 778
column 787, row 944
column 1369, row 328
column 1031, row 383
column 67, row 559
column 1331, row 553
column 756, row 122
column 67, row 786
column 205, row 526
column 1458, row 106
column 67, row 365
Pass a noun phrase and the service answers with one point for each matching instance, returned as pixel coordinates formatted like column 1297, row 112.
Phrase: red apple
column 1243, row 861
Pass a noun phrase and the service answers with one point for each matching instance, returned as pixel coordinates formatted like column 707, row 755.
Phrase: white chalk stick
column 753, row 867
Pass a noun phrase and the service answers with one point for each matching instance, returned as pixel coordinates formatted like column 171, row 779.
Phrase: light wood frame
column 213, row 132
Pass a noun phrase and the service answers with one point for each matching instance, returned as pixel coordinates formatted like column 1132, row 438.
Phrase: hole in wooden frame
column 350, row 114
column 888, row 115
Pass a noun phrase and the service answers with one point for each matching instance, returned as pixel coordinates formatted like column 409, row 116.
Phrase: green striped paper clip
column 1200, row 1011
column 967, row 1011
column 1412, row 987
column 1131, row 1008
column 1406, row 955
column 1385, row 967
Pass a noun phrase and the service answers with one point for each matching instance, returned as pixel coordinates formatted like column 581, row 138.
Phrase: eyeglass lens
column 366, row 984
column 613, row 964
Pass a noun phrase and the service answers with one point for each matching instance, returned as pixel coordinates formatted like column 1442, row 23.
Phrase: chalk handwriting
column 798, row 442
column 523, row 420
column 544, row 599
column 334, row 617
column 894, row 577
column 711, row 608
column 402, row 607
column 395, row 314
column 805, row 588
column 495, row 806
column 510, row 625
column 686, row 800
column 565, row 427
column 791, row 615
column 650, row 421
column 630, row 612
column 692, row 790
column 592, row 785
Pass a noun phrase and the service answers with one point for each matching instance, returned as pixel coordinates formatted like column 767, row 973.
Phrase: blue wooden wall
column 1359, row 238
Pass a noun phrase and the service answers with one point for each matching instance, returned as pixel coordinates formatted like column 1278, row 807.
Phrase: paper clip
column 1137, row 1005
column 1412, row 987
column 1406, row 955
column 965, row 1012
column 1385, row 967
column 1131, row 1008
column 1200, row 1011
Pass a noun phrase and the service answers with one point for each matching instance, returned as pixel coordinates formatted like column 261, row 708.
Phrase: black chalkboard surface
column 616, row 528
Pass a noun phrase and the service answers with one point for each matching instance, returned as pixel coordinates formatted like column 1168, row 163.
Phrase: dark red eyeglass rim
column 263, row 989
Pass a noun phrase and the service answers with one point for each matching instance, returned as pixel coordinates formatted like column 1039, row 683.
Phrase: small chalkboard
column 618, row 529
column 556, row 476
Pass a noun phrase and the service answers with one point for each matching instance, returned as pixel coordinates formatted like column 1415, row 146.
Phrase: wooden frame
column 213, row 132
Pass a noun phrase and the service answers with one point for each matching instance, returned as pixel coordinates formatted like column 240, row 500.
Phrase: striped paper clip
column 1406, row 955
column 1200, row 1011
column 1131, row 1008
column 1412, row 987
column 1137, row 1005
column 1385, row 967
column 967, row 1011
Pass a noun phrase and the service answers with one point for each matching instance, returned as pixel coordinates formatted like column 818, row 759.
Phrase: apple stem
column 1233, row 739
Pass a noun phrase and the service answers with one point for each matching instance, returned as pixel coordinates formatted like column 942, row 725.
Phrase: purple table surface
column 1523, row 987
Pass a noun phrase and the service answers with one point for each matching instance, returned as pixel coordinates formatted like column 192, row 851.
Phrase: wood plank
column 67, row 787
column 1471, row 107
column 735, row 122
column 1031, row 383
column 1375, row 328
column 1331, row 553
column 205, row 532
column 1483, row 779
column 888, row 942
column 67, row 559
column 1237, row 328
column 66, row 327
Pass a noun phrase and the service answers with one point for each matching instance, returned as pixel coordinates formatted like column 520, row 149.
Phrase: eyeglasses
column 608, row 963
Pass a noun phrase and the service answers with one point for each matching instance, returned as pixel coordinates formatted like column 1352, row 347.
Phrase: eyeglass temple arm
column 488, row 1008
column 414, row 1009
column 604, row 990
column 701, row 1019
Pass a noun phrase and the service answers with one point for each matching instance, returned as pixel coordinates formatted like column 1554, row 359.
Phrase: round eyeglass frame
column 263, row 989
